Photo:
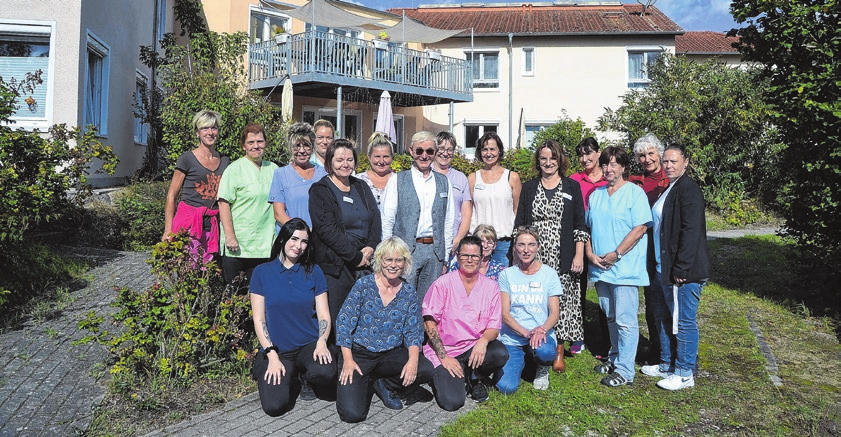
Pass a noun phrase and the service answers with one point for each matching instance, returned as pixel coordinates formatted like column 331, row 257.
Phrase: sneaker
column 604, row 367
column 615, row 380
column 389, row 398
column 541, row 379
column 307, row 394
column 478, row 391
column 676, row 382
column 654, row 370
column 577, row 347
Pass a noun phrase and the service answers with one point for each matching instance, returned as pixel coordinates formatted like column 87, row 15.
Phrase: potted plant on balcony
column 434, row 54
column 381, row 42
column 280, row 35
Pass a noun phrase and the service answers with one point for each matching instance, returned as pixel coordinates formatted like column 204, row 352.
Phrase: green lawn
column 733, row 394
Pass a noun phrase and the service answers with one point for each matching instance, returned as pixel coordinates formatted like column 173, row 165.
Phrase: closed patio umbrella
column 385, row 118
column 286, row 100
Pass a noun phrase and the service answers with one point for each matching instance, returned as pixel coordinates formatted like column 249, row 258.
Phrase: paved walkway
column 47, row 386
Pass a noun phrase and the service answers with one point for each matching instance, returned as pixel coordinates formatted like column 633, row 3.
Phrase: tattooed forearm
column 266, row 333
column 435, row 341
column 322, row 327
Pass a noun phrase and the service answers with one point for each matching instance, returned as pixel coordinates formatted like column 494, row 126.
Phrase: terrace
column 318, row 63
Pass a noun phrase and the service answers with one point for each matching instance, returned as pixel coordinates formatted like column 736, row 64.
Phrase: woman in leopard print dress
column 553, row 205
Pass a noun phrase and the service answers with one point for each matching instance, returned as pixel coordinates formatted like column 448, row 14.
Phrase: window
column 96, row 85
column 485, row 67
column 25, row 47
column 352, row 121
column 472, row 133
column 398, row 131
column 264, row 26
column 528, row 61
column 639, row 62
column 141, row 129
column 161, row 30
column 531, row 131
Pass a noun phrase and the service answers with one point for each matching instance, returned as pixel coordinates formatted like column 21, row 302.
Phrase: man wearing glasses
column 462, row 316
column 424, row 199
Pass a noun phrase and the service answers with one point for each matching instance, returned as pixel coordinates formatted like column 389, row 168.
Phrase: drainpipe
column 510, row 89
column 340, row 126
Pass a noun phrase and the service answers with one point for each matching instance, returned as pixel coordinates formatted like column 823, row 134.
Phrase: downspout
column 510, row 89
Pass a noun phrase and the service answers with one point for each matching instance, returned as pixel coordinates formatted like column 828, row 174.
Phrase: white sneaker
column 541, row 379
column 676, row 382
column 654, row 370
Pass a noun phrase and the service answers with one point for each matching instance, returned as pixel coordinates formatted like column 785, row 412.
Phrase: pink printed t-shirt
column 461, row 318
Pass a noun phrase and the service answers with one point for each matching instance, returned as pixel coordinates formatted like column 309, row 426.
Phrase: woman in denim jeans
column 684, row 265
column 618, row 219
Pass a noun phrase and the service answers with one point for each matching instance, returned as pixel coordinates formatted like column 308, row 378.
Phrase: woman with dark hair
column 196, row 179
column 553, row 204
column 247, row 219
column 496, row 193
column 618, row 219
column 590, row 178
column 346, row 223
column 683, row 268
column 463, row 203
column 289, row 193
column 292, row 321
column 380, row 332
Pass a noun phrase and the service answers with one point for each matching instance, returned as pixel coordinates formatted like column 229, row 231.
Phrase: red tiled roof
column 705, row 42
column 548, row 19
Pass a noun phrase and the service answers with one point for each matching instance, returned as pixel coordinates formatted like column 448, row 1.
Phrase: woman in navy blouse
column 380, row 332
column 289, row 302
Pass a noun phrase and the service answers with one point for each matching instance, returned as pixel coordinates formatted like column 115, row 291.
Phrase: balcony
column 318, row 62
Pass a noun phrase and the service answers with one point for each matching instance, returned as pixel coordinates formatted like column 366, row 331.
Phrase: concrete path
column 47, row 386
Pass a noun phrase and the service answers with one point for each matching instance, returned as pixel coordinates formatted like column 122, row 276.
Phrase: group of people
column 390, row 280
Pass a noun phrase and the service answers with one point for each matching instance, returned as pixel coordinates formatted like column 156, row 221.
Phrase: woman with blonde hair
column 380, row 333
column 196, row 178
column 379, row 157
column 487, row 266
column 290, row 190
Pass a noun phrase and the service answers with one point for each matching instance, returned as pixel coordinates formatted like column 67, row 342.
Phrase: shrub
column 568, row 133
column 182, row 327
column 141, row 208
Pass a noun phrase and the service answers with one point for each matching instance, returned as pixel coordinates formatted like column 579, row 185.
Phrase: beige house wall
column 580, row 75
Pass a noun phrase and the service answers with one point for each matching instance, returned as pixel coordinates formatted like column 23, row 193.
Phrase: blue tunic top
column 364, row 319
column 290, row 189
column 290, row 302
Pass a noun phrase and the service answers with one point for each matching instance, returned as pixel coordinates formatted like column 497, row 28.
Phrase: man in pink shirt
column 462, row 315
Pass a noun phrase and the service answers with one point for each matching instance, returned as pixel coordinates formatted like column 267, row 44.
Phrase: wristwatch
column 618, row 255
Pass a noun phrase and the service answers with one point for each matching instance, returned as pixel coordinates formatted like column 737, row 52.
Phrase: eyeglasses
column 446, row 151
column 526, row 228
column 471, row 257
column 488, row 243
column 613, row 164
column 430, row 151
column 302, row 147
column 324, row 138
column 389, row 261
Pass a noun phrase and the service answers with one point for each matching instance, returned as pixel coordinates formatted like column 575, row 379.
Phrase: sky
column 688, row 14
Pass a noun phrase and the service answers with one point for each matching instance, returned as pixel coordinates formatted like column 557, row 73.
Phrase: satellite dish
column 646, row 4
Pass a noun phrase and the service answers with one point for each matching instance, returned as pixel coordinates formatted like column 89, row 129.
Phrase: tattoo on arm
column 436, row 344
column 322, row 327
column 266, row 333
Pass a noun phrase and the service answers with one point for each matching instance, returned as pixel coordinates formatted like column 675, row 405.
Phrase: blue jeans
column 501, row 252
column 621, row 304
column 509, row 378
column 679, row 350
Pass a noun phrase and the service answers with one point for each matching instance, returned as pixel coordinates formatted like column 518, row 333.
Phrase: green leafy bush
column 141, row 208
column 182, row 327
column 568, row 133
column 722, row 116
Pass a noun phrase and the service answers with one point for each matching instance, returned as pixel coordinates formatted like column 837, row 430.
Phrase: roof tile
column 705, row 42
column 544, row 19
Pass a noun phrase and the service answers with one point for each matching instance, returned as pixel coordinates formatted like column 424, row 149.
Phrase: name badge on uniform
column 566, row 196
column 443, row 195
column 347, row 199
column 479, row 187
column 456, row 187
column 534, row 284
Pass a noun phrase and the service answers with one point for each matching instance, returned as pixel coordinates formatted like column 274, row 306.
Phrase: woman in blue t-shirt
column 292, row 321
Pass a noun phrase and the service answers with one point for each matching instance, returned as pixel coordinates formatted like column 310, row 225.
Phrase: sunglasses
column 419, row 151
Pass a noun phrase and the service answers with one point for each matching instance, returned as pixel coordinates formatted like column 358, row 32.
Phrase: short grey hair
column 424, row 136
column 648, row 141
